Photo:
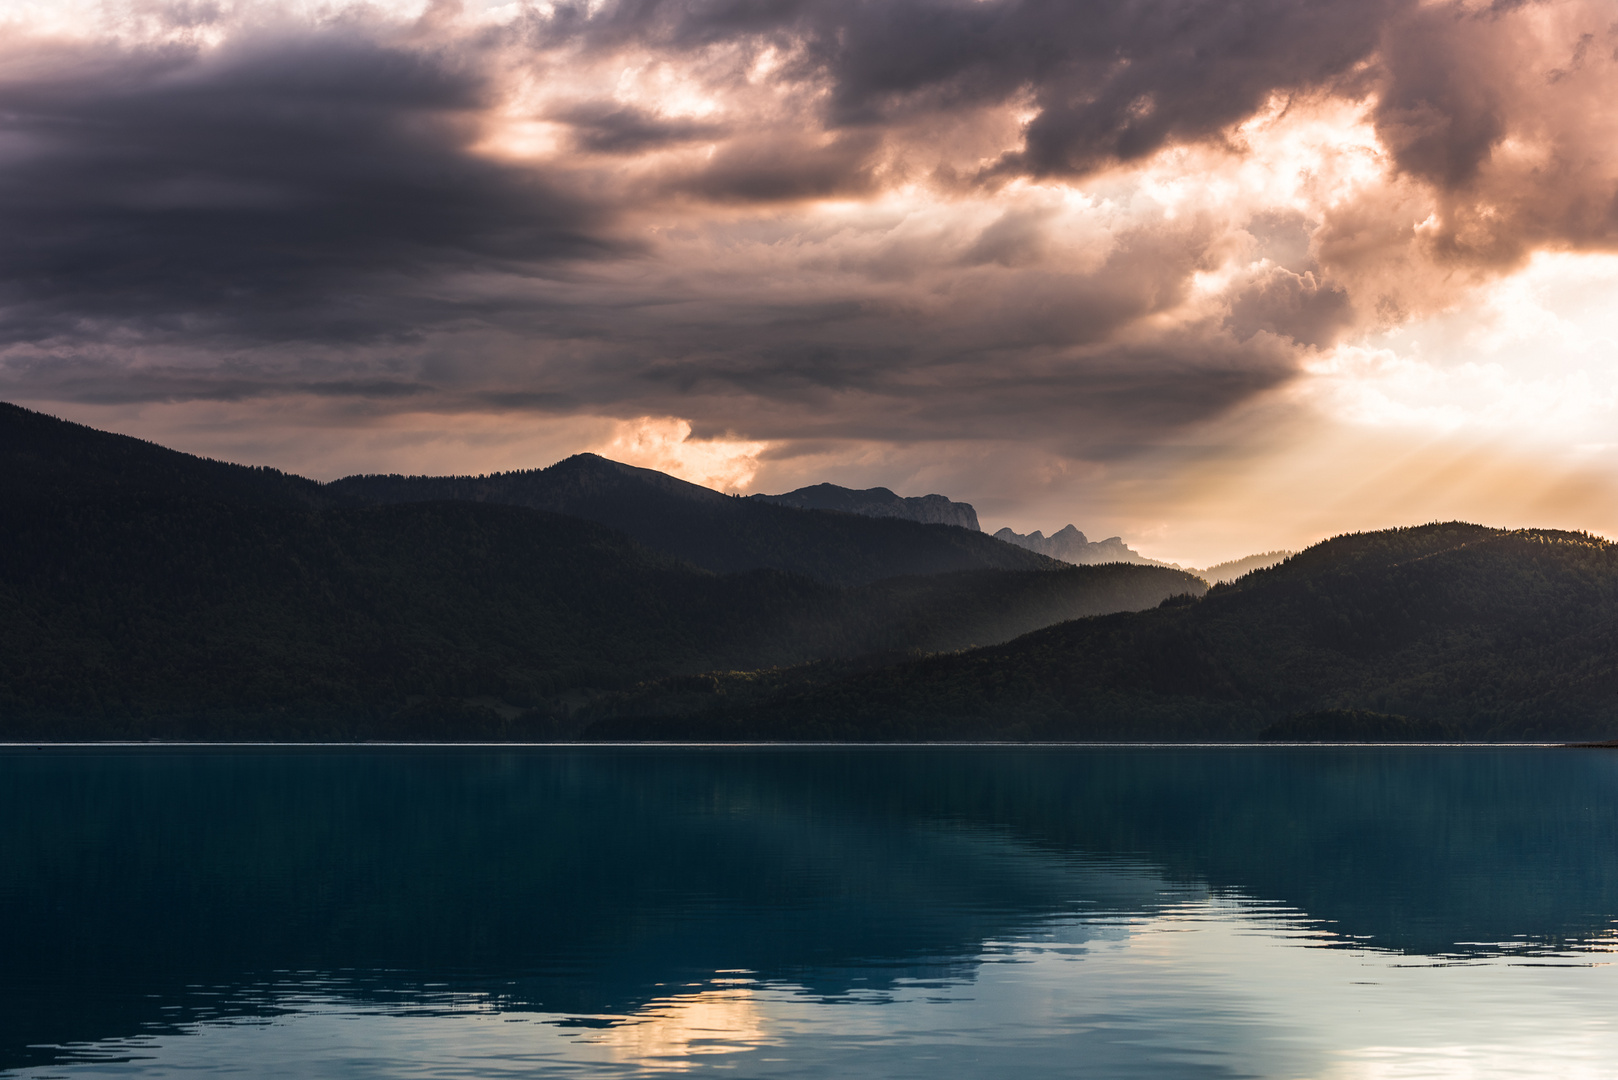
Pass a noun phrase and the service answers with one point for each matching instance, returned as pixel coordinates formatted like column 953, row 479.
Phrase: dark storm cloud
column 786, row 168
column 1291, row 305
column 315, row 185
column 1108, row 79
column 1502, row 114
column 289, row 188
column 1442, row 112
column 603, row 128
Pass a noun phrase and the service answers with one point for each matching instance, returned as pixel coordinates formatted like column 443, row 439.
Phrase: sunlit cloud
column 666, row 444
column 1531, row 359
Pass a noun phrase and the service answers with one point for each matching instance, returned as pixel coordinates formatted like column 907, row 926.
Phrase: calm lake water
column 825, row 912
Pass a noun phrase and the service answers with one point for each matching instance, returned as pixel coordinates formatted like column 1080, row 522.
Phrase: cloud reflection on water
column 1219, row 986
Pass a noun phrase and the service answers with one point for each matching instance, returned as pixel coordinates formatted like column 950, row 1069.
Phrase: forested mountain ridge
column 717, row 532
column 879, row 502
column 1494, row 634
column 41, row 455
column 146, row 593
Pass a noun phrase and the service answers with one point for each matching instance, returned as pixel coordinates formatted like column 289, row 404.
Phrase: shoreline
column 1141, row 745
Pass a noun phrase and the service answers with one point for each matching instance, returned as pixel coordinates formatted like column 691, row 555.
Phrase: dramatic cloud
column 910, row 242
column 289, row 187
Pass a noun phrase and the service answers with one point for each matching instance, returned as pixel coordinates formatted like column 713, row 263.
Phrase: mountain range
column 1067, row 545
column 1071, row 546
column 149, row 593
column 714, row 531
column 146, row 593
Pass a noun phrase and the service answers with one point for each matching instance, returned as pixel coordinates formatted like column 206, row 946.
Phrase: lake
column 938, row 912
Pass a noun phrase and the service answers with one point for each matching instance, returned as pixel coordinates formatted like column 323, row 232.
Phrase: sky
column 1218, row 276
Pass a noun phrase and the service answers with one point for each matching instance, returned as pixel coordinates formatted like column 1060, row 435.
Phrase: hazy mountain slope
column 954, row 611
column 943, row 613
column 879, row 502
column 1499, row 635
column 717, row 532
column 1235, row 568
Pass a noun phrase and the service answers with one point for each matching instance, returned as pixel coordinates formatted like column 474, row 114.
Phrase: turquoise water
column 812, row 912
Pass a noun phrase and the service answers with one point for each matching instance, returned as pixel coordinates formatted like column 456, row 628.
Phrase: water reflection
column 806, row 912
column 673, row 1032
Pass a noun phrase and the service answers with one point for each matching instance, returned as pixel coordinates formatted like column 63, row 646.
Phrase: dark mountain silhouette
column 881, row 503
column 717, row 532
column 1490, row 634
column 41, row 454
column 147, row 593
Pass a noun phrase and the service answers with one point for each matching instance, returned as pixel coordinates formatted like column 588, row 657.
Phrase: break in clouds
column 1088, row 226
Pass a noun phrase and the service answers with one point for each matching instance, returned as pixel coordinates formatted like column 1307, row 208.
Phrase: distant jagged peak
column 880, row 502
column 1071, row 545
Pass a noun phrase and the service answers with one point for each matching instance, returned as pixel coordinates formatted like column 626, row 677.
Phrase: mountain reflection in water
column 670, row 907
